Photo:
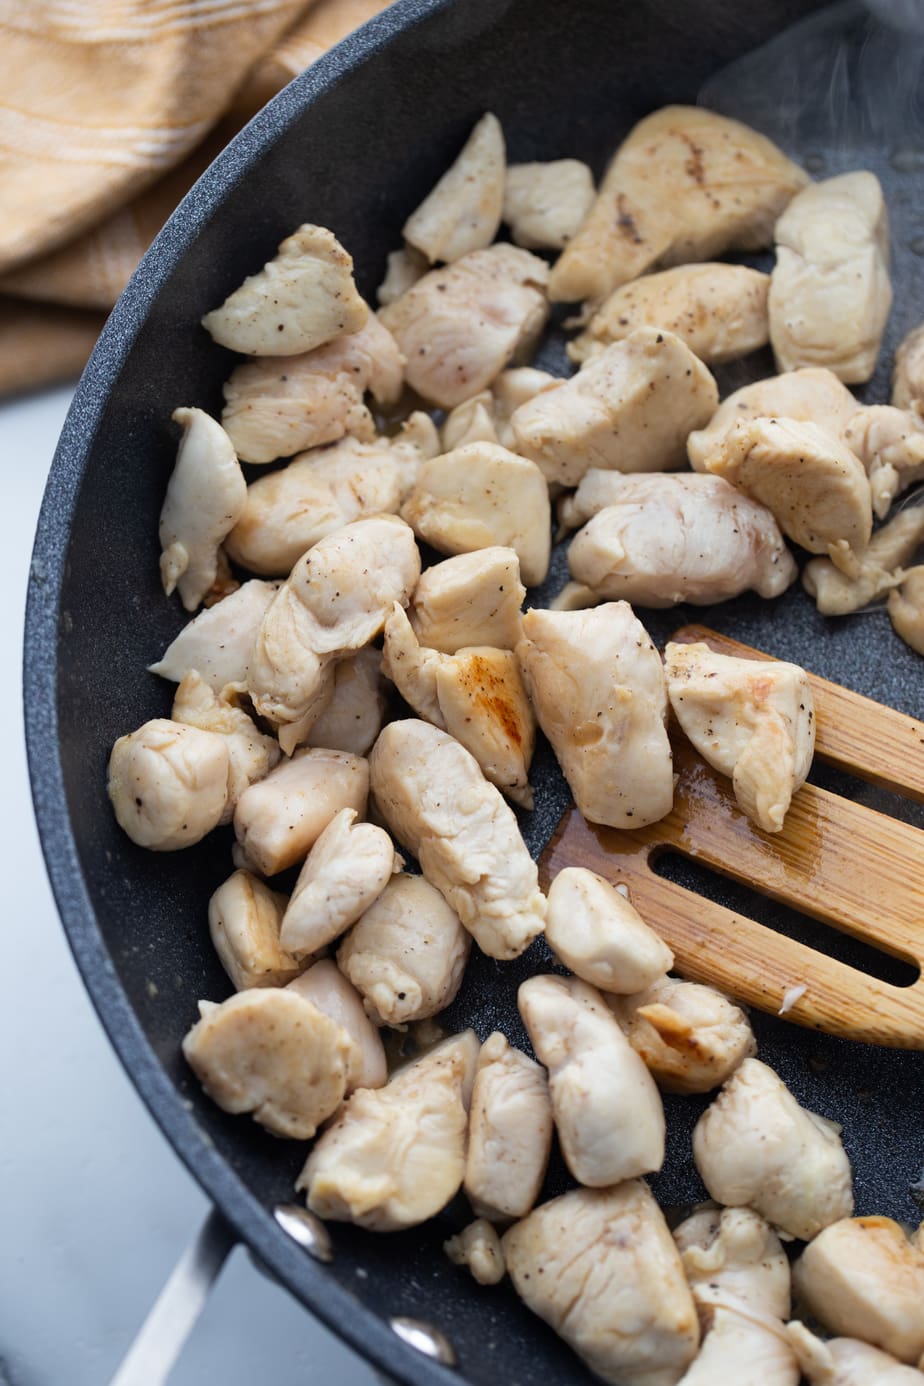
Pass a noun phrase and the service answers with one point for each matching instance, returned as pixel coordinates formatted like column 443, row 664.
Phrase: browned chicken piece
column 597, row 686
column 285, row 405
column 607, row 1109
column 756, row 1147
column 395, row 1156
column 472, row 599
column 218, row 642
column 600, row 1266
column 657, row 538
column 863, row 1277
column 482, row 496
column 301, row 298
column 908, row 372
column 403, row 269
column 459, row 327
column 476, row 695
column 168, row 784
column 513, row 388
column 353, row 717
column 334, row 601
column 462, row 213
column 279, row 819
column 686, row 184
column 510, row 1132
column 906, row 609
column 472, row 421
column 813, row 484
column 830, row 292
column 690, row 1036
column 406, row 955
column 719, row 310
column 847, row 1361
column 594, row 930
column 251, row 754
column 479, row 1248
column 272, row 1053
column 327, row 988
column 244, row 919
column 629, row 409
column 890, row 444
column 813, row 395
column 575, row 596
column 289, row 510
column 881, row 566
column 751, row 719
column 545, row 203
column 433, row 797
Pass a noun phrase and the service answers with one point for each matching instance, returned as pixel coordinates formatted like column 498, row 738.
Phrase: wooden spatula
column 851, row 867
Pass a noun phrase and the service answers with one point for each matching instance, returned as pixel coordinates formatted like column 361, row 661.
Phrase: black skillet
column 354, row 144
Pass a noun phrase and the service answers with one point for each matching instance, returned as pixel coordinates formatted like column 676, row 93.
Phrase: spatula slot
column 751, row 904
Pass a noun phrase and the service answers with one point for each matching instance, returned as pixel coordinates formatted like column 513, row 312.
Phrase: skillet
column 354, row 144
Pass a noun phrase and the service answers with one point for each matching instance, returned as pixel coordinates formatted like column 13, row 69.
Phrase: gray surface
column 94, row 1206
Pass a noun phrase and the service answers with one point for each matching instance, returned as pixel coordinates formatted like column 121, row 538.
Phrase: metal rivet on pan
column 303, row 1227
column 426, row 1339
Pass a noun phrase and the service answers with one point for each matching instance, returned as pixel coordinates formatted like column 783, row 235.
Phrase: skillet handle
column 174, row 1314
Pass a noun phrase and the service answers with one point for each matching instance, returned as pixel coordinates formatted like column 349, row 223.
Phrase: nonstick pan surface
column 354, row 144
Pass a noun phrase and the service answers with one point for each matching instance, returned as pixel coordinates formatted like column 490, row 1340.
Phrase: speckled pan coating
column 354, row 144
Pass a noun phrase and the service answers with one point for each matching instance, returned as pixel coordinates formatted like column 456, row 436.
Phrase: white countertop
column 95, row 1208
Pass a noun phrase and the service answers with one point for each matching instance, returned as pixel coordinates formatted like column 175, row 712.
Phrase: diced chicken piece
column 217, row 643
column 847, row 1361
column 478, row 1247
column 813, row 395
column 459, row 327
column 403, row 269
column 270, row 1052
column 814, row 485
column 657, row 539
column 600, row 1266
column 690, row 1036
column 510, row 1132
column 890, row 444
column 395, row 1156
column 574, row 596
column 288, row 511
column 353, row 717
column 346, row 870
column 472, row 599
column 433, row 797
column 906, row 609
column 476, row 695
column 244, row 919
column 406, row 956
column 733, row 1258
column 335, row 601
column 168, row 784
column 279, row 819
column 630, row 409
column 327, row 988
column 287, row 404
column 863, row 1277
column 686, row 184
column 472, row 421
column 756, row 1146
column 881, row 564
column 513, row 388
column 463, row 211
column 205, row 496
column 908, row 373
column 544, row 204
column 753, row 720
column 830, row 292
column 720, row 311
column 746, row 1349
column 300, row 299
column 482, row 496
column 607, row 1109
column 251, row 754
column 597, row 686
column 594, row 930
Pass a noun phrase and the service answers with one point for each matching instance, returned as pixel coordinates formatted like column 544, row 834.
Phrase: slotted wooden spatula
column 840, row 862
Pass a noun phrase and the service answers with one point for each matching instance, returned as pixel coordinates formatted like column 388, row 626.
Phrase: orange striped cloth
column 109, row 111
